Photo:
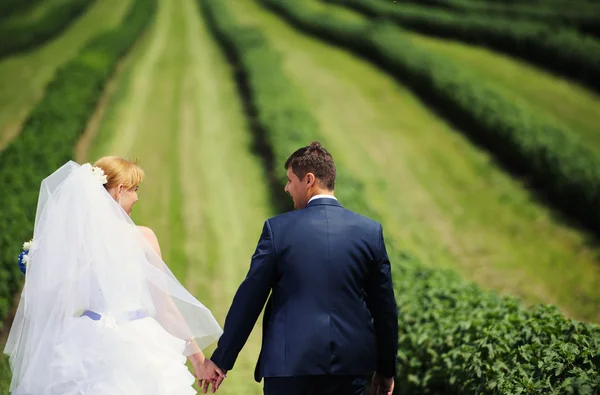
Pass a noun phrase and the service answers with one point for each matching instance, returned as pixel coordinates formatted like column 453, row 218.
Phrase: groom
column 331, row 318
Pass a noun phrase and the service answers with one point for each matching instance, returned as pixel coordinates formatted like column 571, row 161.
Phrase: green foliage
column 561, row 50
column 281, row 120
column 9, row 8
column 22, row 37
column 454, row 337
column 553, row 159
column 552, row 3
column 49, row 135
column 584, row 17
column 278, row 105
column 5, row 374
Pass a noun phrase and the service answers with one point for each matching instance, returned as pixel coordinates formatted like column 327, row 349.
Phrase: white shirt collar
column 322, row 196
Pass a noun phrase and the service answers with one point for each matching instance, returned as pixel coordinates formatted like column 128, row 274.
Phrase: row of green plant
column 554, row 160
column 559, row 49
column 20, row 37
column 534, row 10
column 542, row 3
column 8, row 8
column 583, row 17
column 454, row 337
column 49, row 135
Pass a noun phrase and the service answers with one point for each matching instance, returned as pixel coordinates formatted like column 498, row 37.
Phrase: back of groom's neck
column 321, row 192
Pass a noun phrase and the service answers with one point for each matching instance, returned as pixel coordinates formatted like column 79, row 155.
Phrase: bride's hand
column 207, row 372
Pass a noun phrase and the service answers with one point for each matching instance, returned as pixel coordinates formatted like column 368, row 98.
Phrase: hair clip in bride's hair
column 97, row 172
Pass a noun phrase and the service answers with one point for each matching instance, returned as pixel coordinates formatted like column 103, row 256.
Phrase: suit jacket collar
column 324, row 202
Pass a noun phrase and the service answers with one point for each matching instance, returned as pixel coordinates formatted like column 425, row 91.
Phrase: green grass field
column 32, row 15
column 173, row 104
column 567, row 104
column 176, row 109
column 23, row 77
column 442, row 198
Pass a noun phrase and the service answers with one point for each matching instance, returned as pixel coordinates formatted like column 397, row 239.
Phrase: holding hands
column 206, row 371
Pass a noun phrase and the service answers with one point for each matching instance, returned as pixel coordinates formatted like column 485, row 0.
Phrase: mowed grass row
column 440, row 315
column 561, row 168
column 583, row 16
column 441, row 198
column 24, row 77
column 39, row 24
column 569, row 106
column 560, row 49
column 561, row 102
column 176, row 108
column 8, row 8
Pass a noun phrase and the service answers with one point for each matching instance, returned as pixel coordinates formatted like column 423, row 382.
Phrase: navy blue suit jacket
column 332, row 308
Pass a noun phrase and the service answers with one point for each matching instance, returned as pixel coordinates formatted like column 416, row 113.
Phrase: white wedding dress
column 100, row 312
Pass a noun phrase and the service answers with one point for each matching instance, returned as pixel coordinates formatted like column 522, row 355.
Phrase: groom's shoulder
column 284, row 217
column 362, row 219
column 346, row 215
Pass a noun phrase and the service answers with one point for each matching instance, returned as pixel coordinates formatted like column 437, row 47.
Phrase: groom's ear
column 310, row 177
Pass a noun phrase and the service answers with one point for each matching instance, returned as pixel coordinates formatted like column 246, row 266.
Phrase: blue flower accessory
column 24, row 256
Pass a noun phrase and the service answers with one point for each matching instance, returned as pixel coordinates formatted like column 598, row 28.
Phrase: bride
column 100, row 312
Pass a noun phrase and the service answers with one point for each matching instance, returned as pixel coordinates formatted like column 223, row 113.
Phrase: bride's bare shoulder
column 150, row 236
column 146, row 231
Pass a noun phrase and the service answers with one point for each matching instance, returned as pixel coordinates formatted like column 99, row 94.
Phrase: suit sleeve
column 248, row 302
column 382, row 304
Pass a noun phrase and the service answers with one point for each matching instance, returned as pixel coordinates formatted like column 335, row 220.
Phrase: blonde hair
column 120, row 171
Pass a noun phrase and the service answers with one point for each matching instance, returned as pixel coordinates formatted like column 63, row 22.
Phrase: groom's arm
column 382, row 304
column 248, row 302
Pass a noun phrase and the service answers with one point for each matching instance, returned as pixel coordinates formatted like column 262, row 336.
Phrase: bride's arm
column 204, row 369
column 195, row 353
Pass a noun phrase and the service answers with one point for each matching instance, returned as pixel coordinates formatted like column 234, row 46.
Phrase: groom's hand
column 208, row 372
column 217, row 382
column 382, row 385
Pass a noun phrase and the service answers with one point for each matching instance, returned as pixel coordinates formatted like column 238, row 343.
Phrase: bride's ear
column 119, row 192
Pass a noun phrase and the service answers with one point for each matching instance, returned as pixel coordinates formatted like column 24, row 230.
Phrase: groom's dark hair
column 313, row 158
